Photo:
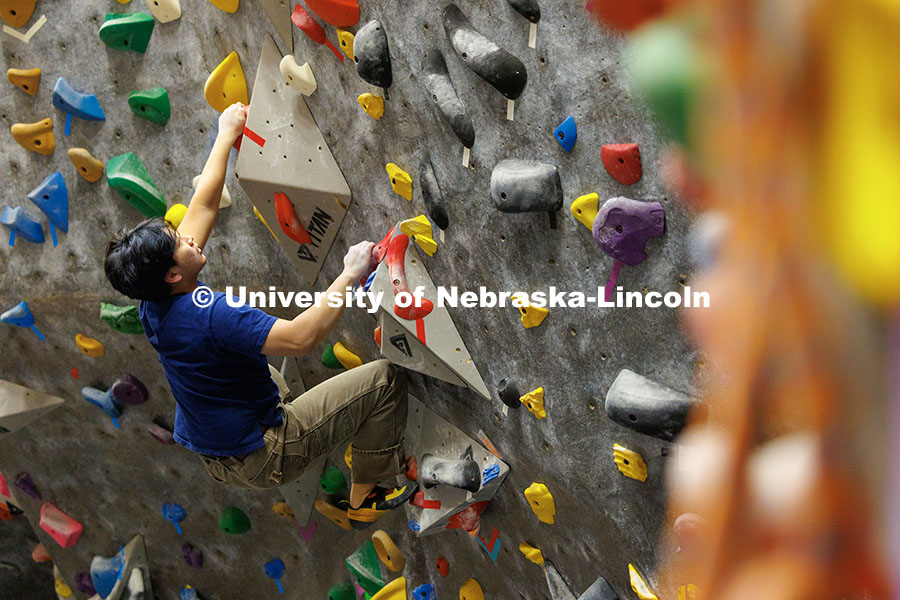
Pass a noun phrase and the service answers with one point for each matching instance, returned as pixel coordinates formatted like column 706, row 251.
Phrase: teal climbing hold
column 20, row 316
column 332, row 480
column 233, row 520
column 342, row 591
column 127, row 32
column 127, row 175
column 121, row 318
column 365, row 567
column 22, row 225
column 52, row 197
column 152, row 105
column 76, row 104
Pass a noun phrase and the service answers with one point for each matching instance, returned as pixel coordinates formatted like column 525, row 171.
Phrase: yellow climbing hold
column 531, row 553
column 419, row 229
column 37, row 137
column 123, row 1
column 689, row 592
column 226, row 84
column 470, row 590
column 283, row 509
column 630, row 463
column 263, row 221
column 334, row 514
column 373, row 105
column 228, row 6
column 534, row 402
column 346, row 40
column 347, row 359
column 348, row 456
column 62, row 590
column 89, row 346
column 26, row 80
column 175, row 215
column 400, row 180
column 532, row 316
column 87, row 166
column 541, row 501
column 388, row 551
column 585, row 209
column 395, row 590
column 640, row 586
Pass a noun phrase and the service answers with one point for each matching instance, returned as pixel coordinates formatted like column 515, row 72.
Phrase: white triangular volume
column 20, row 405
column 300, row 494
column 447, row 357
column 131, row 584
column 284, row 152
column 427, row 433
column 279, row 12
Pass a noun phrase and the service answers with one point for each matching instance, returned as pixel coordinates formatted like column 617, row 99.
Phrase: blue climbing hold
column 566, row 133
column 275, row 569
column 106, row 571
column 20, row 316
column 414, row 526
column 105, row 401
column 76, row 104
column 425, row 591
column 490, row 473
column 52, row 197
column 21, row 224
column 173, row 513
column 189, row 593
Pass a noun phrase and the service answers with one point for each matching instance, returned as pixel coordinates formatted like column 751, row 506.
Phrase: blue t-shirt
column 221, row 382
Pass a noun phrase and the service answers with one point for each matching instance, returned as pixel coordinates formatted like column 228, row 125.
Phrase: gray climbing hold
column 526, row 186
column 461, row 473
column 431, row 192
column 559, row 589
column 372, row 55
column 489, row 61
column 646, row 406
column 440, row 87
column 527, row 8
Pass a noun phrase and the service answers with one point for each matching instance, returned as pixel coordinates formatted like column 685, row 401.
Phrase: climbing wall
column 114, row 481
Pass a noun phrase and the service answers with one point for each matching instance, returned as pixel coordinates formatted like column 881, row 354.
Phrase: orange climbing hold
column 40, row 554
column 37, row 137
column 16, row 13
column 26, row 80
column 229, row 6
column 287, row 218
column 627, row 16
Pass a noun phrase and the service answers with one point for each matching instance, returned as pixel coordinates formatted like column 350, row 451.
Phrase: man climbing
column 227, row 407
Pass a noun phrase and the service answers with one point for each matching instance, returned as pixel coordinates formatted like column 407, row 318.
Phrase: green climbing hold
column 127, row 32
column 365, row 567
column 127, row 175
column 121, row 318
column 152, row 105
column 234, row 520
column 342, row 591
column 332, row 480
column 329, row 359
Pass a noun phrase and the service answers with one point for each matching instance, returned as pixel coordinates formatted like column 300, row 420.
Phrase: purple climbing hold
column 25, row 483
column 623, row 226
column 129, row 390
column 84, row 584
column 192, row 556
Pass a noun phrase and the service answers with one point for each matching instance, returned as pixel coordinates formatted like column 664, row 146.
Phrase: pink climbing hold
column 4, row 486
column 61, row 527
column 623, row 162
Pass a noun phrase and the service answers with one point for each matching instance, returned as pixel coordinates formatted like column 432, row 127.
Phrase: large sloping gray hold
column 460, row 473
column 519, row 186
column 372, row 55
column 437, row 81
column 431, row 192
column 489, row 61
column 559, row 589
column 647, row 407
column 527, row 8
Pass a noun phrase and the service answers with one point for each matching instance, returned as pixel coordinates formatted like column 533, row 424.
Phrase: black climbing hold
column 526, row 186
column 440, row 88
column 646, row 406
column 491, row 62
column 372, row 55
column 527, row 8
column 460, row 473
column 509, row 392
column 431, row 192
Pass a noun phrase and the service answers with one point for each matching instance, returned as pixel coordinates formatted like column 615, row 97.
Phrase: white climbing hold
column 164, row 10
column 299, row 77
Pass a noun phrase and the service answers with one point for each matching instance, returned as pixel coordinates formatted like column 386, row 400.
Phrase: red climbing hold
column 340, row 13
column 310, row 27
column 420, row 501
column 419, row 308
column 288, row 220
column 468, row 519
column 627, row 16
column 381, row 247
column 377, row 334
column 442, row 565
column 411, row 468
column 623, row 162
column 75, row 372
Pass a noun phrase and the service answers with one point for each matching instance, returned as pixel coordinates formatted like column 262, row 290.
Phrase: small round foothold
column 443, row 566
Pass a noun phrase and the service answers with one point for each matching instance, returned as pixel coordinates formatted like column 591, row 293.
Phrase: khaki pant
column 365, row 406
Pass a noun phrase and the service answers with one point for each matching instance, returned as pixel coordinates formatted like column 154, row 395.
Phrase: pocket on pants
column 215, row 469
